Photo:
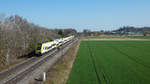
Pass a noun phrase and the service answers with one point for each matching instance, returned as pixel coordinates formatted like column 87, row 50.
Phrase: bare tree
column 19, row 37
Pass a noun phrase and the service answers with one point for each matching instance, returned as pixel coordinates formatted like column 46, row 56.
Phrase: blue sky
column 80, row 14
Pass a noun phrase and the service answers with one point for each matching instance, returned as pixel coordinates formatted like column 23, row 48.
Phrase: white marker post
column 44, row 76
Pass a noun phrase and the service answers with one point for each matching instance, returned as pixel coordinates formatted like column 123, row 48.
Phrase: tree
column 61, row 33
column 18, row 37
column 86, row 32
column 2, row 17
column 146, row 33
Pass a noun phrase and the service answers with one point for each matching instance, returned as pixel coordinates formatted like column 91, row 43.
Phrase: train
column 47, row 46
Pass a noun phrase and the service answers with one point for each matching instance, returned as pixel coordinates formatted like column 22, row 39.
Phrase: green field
column 112, row 62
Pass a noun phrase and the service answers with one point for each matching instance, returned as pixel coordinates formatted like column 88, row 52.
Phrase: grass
column 116, row 62
column 83, row 72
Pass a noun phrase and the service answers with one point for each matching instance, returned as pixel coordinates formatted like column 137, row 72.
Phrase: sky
column 80, row 14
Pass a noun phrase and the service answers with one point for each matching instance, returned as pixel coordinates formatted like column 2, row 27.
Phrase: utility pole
column 61, row 33
column 63, row 41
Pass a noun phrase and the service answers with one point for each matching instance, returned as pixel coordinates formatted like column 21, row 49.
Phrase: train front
column 38, row 49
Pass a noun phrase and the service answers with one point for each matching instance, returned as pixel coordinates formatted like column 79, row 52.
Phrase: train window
column 53, row 45
column 46, row 41
column 46, row 47
column 49, row 47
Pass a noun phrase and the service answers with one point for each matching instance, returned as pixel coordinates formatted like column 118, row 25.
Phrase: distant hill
column 132, row 30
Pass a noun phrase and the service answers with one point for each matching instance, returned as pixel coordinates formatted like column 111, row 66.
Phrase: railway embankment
column 33, row 68
column 59, row 73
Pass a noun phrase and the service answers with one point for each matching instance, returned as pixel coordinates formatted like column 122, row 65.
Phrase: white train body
column 48, row 46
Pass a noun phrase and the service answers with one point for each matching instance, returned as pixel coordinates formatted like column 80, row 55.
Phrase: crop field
column 112, row 62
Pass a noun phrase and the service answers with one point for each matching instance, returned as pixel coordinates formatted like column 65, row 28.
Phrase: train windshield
column 39, row 43
column 38, row 48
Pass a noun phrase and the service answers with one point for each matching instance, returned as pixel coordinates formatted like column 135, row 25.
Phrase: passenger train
column 45, row 47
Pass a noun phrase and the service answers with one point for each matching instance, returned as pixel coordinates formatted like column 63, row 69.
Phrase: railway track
column 15, row 74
